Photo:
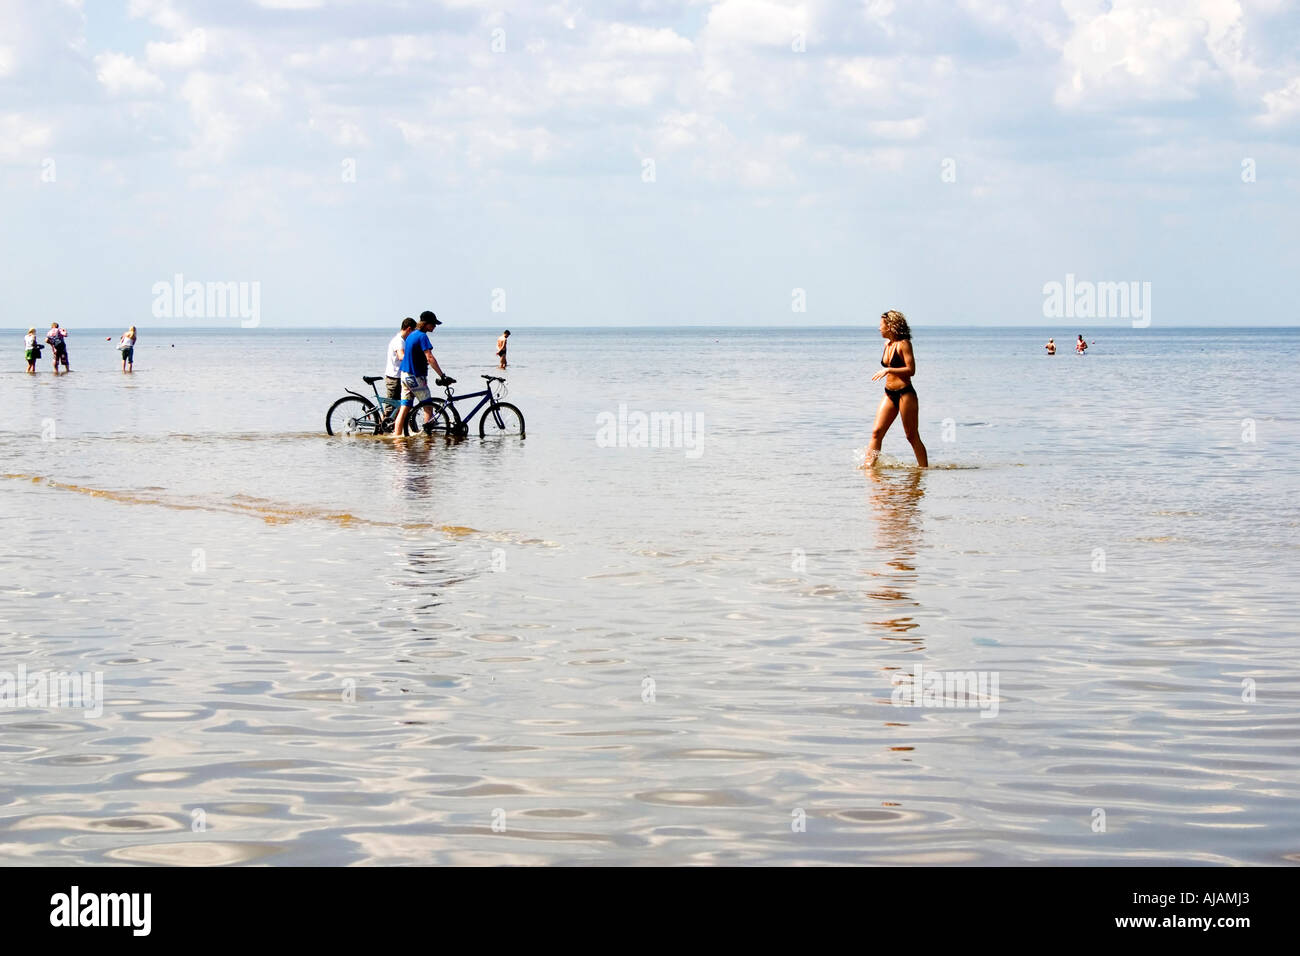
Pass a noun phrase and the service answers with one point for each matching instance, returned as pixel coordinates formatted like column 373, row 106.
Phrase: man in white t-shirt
column 392, row 374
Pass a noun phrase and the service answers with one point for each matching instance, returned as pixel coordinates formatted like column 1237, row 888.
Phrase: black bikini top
column 896, row 362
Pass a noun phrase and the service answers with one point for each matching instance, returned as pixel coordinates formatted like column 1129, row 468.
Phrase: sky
column 648, row 162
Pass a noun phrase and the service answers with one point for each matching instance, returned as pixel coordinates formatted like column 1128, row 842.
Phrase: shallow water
column 335, row 651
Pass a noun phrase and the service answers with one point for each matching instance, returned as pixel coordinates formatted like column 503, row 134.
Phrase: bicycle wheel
column 501, row 420
column 438, row 423
column 351, row 415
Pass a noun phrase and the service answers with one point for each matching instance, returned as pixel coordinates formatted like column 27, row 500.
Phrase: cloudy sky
column 649, row 162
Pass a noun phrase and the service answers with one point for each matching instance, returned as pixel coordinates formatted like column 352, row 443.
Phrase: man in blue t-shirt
column 417, row 356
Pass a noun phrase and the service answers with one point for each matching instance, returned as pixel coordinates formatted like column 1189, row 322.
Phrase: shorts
column 392, row 388
column 128, row 354
column 415, row 388
column 31, row 355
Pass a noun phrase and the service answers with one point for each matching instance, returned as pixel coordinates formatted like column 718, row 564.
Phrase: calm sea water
column 337, row 651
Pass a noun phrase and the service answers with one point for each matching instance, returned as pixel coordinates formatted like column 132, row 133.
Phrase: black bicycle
column 499, row 419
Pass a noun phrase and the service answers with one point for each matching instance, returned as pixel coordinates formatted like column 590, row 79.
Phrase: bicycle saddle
column 494, row 378
column 371, row 379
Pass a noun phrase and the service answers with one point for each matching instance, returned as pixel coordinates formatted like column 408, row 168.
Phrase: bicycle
column 499, row 420
column 355, row 414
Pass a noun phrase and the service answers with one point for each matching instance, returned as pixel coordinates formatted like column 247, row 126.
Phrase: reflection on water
column 895, row 498
column 414, row 467
column 431, row 571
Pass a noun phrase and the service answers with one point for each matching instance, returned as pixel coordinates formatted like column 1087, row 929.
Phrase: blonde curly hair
column 896, row 325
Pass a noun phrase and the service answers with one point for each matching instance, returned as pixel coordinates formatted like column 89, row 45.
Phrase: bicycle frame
column 487, row 399
column 382, row 401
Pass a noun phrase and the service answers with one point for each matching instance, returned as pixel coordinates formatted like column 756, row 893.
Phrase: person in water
column 126, row 345
column 1051, row 346
column 898, row 365
column 392, row 366
column 502, row 342
column 33, row 351
column 417, row 357
column 1081, row 346
column 57, row 339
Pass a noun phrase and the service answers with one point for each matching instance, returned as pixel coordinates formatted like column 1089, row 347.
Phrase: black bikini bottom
column 896, row 393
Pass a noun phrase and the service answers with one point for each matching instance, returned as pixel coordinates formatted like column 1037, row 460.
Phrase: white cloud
column 290, row 4
column 160, row 12
column 21, row 136
column 183, row 54
column 224, row 114
column 120, row 75
column 898, row 129
column 863, row 73
column 1133, row 51
column 1282, row 106
column 619, row 40
column 761, row 23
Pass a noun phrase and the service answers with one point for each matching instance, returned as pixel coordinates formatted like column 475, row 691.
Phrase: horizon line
column 622, row 328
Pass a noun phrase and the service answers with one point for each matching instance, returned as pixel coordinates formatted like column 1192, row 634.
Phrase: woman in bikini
column 898, row 365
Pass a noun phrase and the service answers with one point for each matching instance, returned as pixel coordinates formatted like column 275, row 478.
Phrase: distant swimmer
column 126, row 345
column 1051, row 346
column 1081, row 346
column 898, row 366
column 502, row 342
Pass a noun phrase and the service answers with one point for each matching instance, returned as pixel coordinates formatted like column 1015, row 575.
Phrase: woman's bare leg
column 885, row 416
column 910, row 406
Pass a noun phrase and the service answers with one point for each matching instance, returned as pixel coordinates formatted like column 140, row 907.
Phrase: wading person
column 392, row 363
column 126, row 345
column 1081, row 346
column 898, row 365
column 57, row 338
column 1051, row 346
column 502, row 342
column 32, row 350
column 417, row 356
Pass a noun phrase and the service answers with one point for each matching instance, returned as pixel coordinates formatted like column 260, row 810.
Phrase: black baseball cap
column 427, row 316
